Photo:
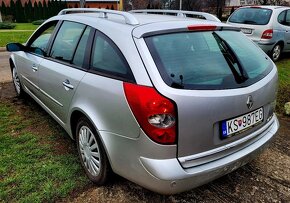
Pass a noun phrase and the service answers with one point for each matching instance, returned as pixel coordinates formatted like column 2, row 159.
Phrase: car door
column 36, row 50
column 60, row 74
column 284, row 23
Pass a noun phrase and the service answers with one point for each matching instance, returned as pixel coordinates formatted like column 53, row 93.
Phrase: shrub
column 38, row 22
column 6, row 26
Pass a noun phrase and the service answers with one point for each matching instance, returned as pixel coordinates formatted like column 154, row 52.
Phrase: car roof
column 136, row 23
column 266, row 6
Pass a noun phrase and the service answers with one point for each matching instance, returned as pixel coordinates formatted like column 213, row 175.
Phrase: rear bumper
column 265, row 46
column 168, row 176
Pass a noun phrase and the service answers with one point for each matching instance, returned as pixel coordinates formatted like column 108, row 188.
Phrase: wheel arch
column 281, row 43
column 11, row 63
column 74, row 118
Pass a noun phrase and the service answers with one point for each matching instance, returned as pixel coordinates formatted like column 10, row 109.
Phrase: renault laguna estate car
column 267, row 26
column 169, row 102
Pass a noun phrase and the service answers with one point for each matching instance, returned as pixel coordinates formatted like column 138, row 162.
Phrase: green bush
column 38, row 22
column 6, row 26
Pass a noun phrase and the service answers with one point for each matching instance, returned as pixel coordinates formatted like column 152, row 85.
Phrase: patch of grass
column 284, row 84
column 7, row 37
column 25, row 26
column 30, row 169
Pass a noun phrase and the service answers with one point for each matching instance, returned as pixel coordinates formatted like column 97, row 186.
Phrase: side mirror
column 15, row 47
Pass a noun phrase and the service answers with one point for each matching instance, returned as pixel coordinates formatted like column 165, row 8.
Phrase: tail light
column 155, row 114
column 267, row 34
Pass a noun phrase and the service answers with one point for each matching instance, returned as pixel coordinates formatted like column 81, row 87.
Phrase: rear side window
column 66, row 41
column 107, row 59
column 281, row 18
column 253, row 16
column 208, row 60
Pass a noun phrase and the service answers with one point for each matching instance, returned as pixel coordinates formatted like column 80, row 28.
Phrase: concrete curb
column 2, row 49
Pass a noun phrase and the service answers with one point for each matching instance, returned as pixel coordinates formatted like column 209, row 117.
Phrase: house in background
column 108, row 4
column 238, row 3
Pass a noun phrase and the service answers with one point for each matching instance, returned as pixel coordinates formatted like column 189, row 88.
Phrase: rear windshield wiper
column 231, row 59
column 175, row 84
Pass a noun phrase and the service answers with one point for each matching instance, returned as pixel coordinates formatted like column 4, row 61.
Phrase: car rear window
column 253, row 16
column 208, row 60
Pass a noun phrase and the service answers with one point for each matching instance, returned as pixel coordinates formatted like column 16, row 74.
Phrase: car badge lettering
column 250, row 102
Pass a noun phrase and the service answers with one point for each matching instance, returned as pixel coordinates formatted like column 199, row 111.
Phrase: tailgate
column 216, row 78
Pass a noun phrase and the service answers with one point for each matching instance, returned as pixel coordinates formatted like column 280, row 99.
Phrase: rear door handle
column 34, row 68
column 67, row 85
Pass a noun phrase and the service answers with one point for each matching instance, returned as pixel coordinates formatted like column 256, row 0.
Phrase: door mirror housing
column 12, row 47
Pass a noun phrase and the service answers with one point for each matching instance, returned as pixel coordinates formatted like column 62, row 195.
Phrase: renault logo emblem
column 250, row 102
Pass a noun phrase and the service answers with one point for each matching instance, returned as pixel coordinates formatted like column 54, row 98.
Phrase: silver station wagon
column 267, row 26
column 169, row 102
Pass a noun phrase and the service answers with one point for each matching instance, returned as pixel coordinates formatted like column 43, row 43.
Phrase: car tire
column 91, row 152
column 16, row 82
column 276, row 52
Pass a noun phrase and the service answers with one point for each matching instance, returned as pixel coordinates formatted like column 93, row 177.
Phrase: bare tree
column 273, row 2
column 277, row 2
column 263, row 2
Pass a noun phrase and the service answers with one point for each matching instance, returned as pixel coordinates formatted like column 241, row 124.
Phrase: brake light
column 201, row 27
column 155, row 114
column 267, row 34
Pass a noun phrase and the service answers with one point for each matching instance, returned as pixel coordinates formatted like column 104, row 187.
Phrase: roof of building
column 99, row 1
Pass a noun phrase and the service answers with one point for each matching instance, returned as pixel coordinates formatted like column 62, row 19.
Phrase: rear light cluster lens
column 202, row 27
column 267, row 34
column 162, row 120
column 155, row 113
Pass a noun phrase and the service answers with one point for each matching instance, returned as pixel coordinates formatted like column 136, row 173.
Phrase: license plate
column 240, row 124
column 246, row 31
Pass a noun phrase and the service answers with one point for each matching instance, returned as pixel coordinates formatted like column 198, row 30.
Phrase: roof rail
column 179, row 13
column 129, row 18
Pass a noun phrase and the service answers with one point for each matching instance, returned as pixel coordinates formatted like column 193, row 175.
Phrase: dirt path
column 5, row 74
column 265, row 179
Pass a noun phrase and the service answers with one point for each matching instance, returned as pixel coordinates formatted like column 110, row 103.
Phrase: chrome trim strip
column 50, row 97
column 228, row 146
column 44, row 106
column 29, row 81
column 42, row 91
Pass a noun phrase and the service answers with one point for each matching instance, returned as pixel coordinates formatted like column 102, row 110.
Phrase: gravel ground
column 265, row 179
column 5, row 74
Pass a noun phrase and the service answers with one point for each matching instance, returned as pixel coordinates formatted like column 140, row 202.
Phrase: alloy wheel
column 16, row 81
column 276, row 52
column 90, row 152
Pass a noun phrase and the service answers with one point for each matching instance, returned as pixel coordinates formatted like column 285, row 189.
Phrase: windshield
column 208, row 60
column 254, row 16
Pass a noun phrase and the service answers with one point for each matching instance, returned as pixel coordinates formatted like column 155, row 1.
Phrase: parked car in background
column 169, row 102
column 267, row 26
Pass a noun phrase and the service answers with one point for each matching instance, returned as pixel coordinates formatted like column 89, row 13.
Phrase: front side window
column 107, row 59
column 208, row 60
column 253, row 16
column 281, row 18
column 66, row 41
column 39, row 43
